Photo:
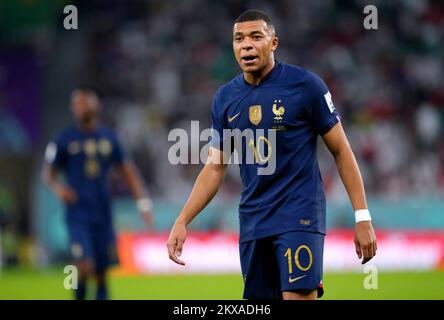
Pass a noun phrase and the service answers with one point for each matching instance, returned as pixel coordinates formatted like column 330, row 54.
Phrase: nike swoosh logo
column 233, row 117
column 291, row 280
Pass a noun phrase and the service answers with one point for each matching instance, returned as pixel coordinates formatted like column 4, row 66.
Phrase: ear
column 274, row 43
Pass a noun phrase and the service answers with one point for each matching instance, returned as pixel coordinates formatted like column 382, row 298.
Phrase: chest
column 268, row 108
column 82, row 148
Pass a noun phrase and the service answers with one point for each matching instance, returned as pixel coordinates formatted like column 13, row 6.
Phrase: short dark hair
column 255, row 15
column 88, row 89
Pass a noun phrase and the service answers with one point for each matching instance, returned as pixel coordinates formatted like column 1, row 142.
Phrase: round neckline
column 267, row 77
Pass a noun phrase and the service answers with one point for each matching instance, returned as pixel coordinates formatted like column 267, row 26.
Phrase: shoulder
column 108, row 133
column 293, row 70
column 104, row 130
column 58, row 146
column 65, row 135
column 230, row 89
column 300, row 74
column 314, row 82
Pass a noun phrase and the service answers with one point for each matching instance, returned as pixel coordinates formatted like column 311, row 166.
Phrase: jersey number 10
column 296, row 259
column 258, row 157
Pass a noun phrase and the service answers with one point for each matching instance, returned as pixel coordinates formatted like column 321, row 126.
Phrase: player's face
column 253, row 45
column 84, row 106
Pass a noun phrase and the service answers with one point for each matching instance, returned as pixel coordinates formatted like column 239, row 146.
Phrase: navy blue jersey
column 85, row 159
column 297, row 105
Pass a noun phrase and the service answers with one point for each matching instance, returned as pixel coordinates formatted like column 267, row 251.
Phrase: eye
column 257, row 37
column 237, row 39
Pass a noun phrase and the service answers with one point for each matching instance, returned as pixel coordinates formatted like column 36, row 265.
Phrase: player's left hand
column 178, row 235
column 365, row 241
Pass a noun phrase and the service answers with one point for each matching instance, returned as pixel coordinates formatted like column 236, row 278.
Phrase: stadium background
column 157, row 65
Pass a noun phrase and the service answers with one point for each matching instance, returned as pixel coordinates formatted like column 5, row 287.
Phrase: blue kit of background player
column 85, row 159
column 85, row 153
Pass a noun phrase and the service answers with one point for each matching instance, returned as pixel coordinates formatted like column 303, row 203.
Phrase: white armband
column 144, row 204
column 362, row 215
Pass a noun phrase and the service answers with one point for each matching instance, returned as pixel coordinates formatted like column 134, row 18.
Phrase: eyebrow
column 238, row 33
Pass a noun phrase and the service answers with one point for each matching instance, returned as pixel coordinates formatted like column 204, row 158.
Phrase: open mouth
column 249, row 59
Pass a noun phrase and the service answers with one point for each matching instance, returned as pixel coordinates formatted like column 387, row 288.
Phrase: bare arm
column 135, row 182
column 132, row 177
column 50, row 176
column 205, row 188
column 337, row 143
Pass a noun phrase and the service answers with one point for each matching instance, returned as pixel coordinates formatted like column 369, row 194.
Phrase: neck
column 254, row 78
column 88, row 125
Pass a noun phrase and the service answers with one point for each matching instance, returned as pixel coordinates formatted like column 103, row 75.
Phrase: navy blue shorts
column 291, row 261
column 95, row 243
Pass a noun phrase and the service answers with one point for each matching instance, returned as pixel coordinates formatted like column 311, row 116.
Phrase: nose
column 246, row 45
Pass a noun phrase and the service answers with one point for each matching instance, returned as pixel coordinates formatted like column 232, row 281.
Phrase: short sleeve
column 118, row 155
column 322, row 111
column 56, row 153
column 217, row 123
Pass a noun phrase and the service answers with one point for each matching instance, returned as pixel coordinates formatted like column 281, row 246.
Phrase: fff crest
column 255, row 114
column 278, row 112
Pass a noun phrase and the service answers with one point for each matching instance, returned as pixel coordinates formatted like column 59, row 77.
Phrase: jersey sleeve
column 56, row 153
column 322, row 111
column 118, row 155
column 217, row 123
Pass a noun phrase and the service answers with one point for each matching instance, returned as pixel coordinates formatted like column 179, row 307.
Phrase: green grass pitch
column 22, row 284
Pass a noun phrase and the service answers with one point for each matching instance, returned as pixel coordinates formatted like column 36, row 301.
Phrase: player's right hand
column 175, row 242
column 66, row 194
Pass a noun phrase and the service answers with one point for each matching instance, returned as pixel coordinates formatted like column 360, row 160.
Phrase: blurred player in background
column 282, row 215
column 84, row 153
